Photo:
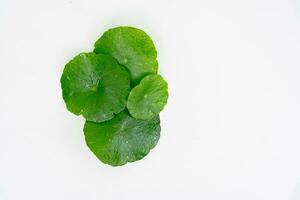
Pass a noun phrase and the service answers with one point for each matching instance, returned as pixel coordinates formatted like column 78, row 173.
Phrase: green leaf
column 122, row 139
column 148, row 98
column 132, row 47
column 95, row 86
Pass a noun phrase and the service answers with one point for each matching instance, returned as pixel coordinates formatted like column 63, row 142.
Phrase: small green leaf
column 122, row 139
column 95, row 86
column 148, row 98
column 132, row 47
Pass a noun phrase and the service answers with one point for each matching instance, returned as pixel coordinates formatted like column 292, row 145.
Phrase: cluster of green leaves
column 117, row 90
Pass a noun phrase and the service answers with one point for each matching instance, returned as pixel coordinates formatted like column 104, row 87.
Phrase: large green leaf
column 148, row 98
column 95, row 86
column 132, row 47
column 122, row 139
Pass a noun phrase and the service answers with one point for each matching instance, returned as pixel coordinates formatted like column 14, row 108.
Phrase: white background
column 230, row 131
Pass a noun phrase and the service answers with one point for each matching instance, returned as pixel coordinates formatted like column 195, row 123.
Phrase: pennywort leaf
column 132, row 47
column 95, row 86
column 122, row 139
column 148, row 98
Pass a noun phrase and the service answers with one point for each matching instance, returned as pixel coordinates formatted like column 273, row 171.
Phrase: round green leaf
column 132, row 47
column 148, row 98
column 122, row 139
column 95, row 86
